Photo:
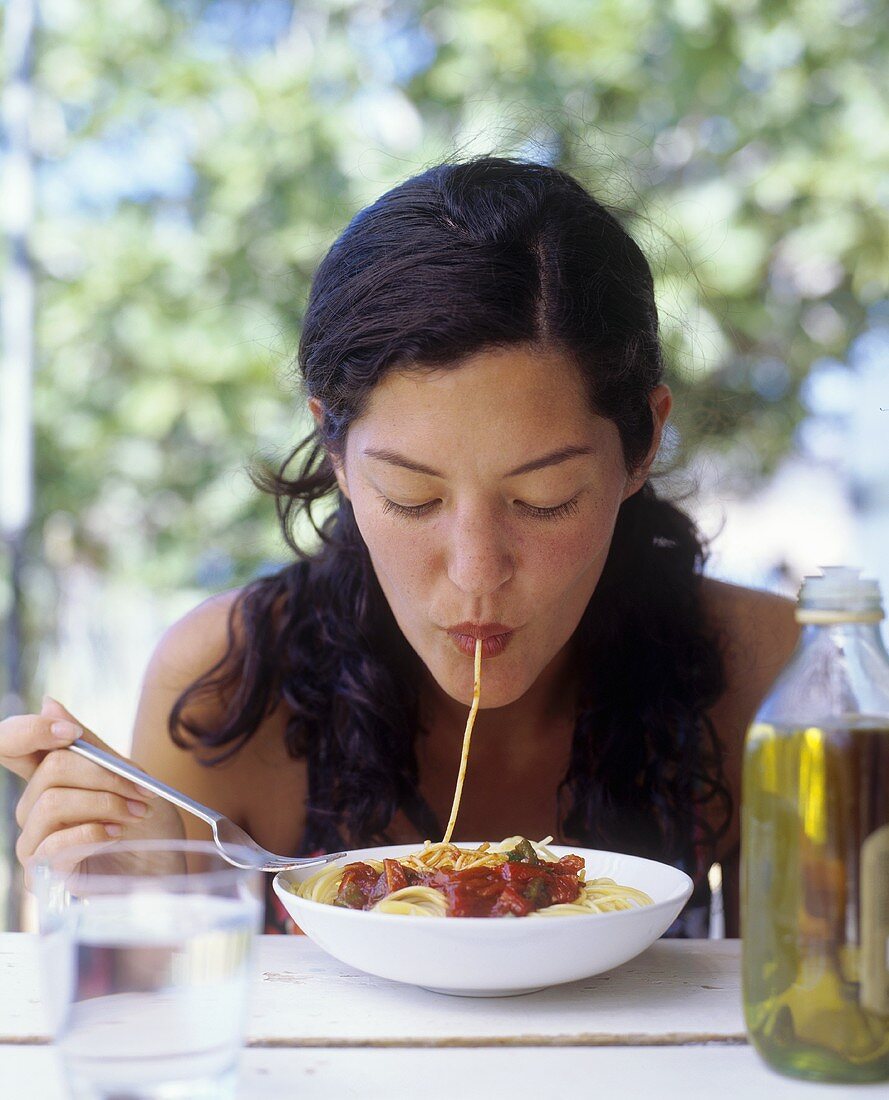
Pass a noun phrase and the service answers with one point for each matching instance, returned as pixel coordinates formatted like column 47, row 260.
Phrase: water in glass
column 148, row 987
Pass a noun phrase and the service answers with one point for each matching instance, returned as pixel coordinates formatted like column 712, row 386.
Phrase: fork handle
column 130, row 771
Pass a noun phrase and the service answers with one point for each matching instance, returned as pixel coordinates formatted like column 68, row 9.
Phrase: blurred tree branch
column 199, row 158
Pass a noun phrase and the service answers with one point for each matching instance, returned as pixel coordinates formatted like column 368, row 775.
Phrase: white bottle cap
column 840, row 594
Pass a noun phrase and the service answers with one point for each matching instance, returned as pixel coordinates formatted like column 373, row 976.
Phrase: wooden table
column 666, row 1025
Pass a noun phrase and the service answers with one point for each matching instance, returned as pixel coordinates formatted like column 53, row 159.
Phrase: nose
column 480, row 559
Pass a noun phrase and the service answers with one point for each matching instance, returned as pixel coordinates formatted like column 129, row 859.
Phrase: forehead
column 504, row 397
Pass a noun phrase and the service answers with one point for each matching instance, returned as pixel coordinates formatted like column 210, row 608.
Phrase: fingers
column 54, row 847
column 25, row 738
column 69, row 800
column 99, row 814
column 66, row 771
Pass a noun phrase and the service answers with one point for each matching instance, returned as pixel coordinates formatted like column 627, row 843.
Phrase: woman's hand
column 68, row 800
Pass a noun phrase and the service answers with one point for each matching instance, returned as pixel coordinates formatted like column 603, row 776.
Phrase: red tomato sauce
column 509, row 888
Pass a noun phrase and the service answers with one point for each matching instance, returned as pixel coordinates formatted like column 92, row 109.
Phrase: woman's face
column 487, row 495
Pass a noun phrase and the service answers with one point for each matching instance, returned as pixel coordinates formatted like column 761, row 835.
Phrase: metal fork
column 246, row 853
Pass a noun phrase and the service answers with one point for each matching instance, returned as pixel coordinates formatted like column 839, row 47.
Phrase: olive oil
column 812, row 800
column 815, row 845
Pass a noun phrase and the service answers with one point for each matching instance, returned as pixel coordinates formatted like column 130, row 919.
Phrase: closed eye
column 560, row 511
column 411, row 511
column 415, row 511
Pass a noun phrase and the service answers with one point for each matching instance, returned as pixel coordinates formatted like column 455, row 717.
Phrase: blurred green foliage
column 198, row 158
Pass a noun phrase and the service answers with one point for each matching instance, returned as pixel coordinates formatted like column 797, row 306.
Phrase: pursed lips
column 494, row 636
column 480, row 630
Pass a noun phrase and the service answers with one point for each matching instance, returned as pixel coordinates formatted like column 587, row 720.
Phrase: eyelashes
column 560, row 511
column 416, row 511
column 408, row 511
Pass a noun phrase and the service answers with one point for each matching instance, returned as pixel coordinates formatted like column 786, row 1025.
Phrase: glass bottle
column 815, row 844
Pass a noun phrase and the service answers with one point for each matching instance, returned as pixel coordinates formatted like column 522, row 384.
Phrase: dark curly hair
column 484, row 254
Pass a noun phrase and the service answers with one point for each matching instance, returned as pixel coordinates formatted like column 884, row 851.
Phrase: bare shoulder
column 194, row 643
column 238, row 787
column 757, row 633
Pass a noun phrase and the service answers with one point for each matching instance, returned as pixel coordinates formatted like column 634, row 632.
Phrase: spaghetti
column 516, row 877
column 467, row 737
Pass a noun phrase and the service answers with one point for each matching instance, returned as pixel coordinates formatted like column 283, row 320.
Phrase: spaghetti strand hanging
column 467, row 738
column 515, row 878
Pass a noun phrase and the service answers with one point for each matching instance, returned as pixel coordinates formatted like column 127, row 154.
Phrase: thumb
column 52, row 708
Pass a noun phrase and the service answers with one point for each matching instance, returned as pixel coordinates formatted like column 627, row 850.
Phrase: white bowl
column 493, row 956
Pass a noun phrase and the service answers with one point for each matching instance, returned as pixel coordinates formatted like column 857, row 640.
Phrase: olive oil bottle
column 815, row 844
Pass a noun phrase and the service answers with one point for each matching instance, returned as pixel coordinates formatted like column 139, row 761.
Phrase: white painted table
column 666, row 1025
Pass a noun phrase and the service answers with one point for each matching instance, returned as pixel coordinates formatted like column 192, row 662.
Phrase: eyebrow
column 554, row 458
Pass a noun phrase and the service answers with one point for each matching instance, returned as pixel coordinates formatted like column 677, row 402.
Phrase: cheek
column 565, row 574
column 401, row 559
column 563, row 558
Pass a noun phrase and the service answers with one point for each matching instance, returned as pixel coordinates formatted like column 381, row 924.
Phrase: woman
column 481, row 357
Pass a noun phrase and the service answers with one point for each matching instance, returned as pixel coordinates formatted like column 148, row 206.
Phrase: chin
column 499, row 688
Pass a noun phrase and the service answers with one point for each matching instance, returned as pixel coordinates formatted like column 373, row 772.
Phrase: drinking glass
column 146, row 950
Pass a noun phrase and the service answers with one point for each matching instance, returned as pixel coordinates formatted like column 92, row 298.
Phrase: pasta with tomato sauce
column 515, row 878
